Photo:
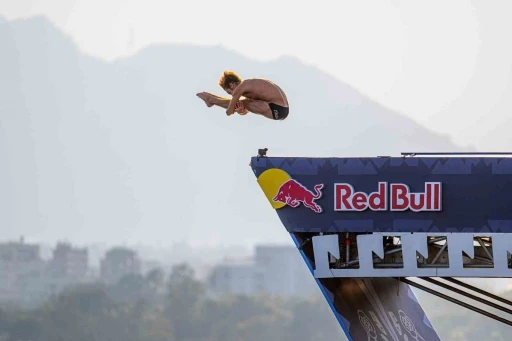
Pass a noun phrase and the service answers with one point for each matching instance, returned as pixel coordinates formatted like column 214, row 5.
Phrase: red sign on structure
column 388, row 197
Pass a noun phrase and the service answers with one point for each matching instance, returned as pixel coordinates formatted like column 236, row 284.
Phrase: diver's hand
column 240, row 108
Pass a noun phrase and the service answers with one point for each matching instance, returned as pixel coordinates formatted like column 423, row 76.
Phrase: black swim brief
column 278, row 112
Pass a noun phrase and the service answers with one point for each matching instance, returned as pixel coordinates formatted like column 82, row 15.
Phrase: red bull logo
column 400, row 198
column 282, row 190
column 293, row 193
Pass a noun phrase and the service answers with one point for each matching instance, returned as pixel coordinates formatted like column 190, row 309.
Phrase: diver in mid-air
column 262, row 97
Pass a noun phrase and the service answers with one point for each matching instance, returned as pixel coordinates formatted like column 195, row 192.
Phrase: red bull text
column 400, row 198
column 294, row 193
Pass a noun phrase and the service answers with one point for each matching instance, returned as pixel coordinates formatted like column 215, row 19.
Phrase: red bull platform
column 365, row 224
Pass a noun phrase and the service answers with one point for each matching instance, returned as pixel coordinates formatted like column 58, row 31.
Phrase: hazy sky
column 417, row 57
column 445, row 63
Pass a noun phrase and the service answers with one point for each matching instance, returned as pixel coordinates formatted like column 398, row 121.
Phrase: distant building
column 119, row 262
column 22, row 272
column 275, row 270
column 69, row 263
column 286, row 274
column 244, row 279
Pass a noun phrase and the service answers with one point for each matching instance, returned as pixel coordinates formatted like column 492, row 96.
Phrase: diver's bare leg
column 212, row 100
column 254, row 106
column 219, row 101
column 258, row 107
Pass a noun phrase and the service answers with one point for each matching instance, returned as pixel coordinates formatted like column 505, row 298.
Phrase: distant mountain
column 124, row 151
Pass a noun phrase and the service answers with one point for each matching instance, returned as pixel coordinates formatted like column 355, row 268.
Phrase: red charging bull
column 293, row 193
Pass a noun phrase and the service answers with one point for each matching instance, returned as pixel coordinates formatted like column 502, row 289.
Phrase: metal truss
column 412, row 255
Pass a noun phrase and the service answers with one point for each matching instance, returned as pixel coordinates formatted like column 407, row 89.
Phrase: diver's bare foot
column 206, row 98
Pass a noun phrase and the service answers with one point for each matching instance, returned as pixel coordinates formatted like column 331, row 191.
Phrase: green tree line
column 151, row 308
column 176, row 308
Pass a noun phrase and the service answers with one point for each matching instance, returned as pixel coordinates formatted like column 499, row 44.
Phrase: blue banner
column 389, row 194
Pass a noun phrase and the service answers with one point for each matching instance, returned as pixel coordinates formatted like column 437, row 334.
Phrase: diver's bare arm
column 239, row 91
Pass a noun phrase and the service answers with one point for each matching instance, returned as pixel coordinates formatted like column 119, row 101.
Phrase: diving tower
column 367, row 226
